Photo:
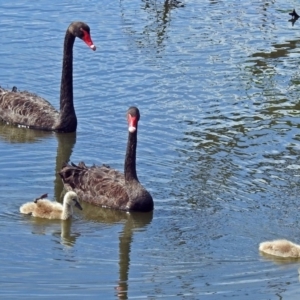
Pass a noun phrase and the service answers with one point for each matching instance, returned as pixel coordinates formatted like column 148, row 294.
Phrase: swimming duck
column 29, row 110
column 44, row 208
column 280, row 248
column 106, row 187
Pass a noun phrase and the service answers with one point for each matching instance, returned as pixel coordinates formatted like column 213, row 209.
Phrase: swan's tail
column 27, row 208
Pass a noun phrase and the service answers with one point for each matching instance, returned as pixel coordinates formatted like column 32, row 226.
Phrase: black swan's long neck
column 67, row 111
column 130, row 158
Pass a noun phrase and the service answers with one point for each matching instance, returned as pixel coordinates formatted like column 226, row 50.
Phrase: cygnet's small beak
column 77, row 204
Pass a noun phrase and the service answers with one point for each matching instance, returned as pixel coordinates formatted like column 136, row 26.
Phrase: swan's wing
column 47, row 209
column 98, row 185
column 41, row 197
column 26, row 109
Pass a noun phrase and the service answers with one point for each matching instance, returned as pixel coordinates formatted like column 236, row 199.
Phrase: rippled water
column 217, row 84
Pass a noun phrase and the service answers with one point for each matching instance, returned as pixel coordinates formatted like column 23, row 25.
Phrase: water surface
column 217, row 85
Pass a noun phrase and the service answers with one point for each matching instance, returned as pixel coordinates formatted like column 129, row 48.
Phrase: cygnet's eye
column 74, row 199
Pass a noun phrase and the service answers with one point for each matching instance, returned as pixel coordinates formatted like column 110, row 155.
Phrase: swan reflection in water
column 65, row 144
column 67, row 234
column 19, row 135
column 60, row 229
column 133, row 221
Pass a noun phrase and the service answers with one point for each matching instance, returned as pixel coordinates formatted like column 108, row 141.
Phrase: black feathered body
column 105, row 187
column 28, row 110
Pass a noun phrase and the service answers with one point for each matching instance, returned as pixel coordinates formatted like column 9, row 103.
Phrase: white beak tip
column 132, row 129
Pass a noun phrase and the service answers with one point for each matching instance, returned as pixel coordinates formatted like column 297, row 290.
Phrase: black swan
column 106, row 187
column 31, row 111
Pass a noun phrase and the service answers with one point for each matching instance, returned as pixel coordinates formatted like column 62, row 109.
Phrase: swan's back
column 27, row 109
column 280, row 248
column 43, row 208
column 98, row 185
column 48, row 209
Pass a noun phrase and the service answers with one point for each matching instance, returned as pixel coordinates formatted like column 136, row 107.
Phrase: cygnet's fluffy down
column 280, row 248
column 44, row 208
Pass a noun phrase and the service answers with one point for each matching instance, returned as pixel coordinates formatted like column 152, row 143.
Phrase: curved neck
column 67, row 211
column 66, row 87
column 130, row 158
